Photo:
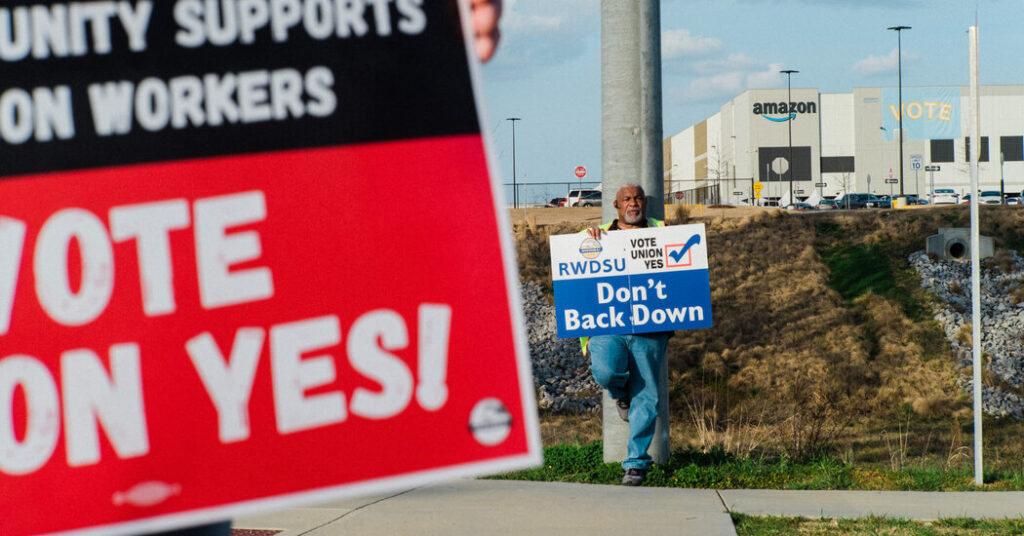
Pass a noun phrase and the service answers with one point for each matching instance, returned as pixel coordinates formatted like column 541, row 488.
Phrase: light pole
column 515, row 189
column 789, row 122
column 899, row 71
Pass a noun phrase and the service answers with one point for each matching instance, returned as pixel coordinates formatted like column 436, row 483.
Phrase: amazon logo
column 787, row 110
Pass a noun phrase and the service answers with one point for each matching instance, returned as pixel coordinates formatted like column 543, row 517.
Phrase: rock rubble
column 561, row 373
column 1002, row 323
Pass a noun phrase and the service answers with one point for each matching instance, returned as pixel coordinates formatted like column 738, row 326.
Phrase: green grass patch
column 720, row 470
column 858, row 269
column 777, row 526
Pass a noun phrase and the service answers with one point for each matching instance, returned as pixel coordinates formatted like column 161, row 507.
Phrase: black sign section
column 837, row 164
column 800, row 171
column 94, row 84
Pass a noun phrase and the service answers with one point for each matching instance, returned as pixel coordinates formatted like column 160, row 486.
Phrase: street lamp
column 515, row 189
column 899, row 70
column 789, row 122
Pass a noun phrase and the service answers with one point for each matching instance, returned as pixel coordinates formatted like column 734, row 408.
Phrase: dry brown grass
column 789, row 364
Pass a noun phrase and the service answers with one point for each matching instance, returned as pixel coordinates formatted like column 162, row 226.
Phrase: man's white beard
column 634, row 219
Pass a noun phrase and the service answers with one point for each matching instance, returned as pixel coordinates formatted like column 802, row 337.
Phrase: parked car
column 858, row 201
column 914, row 200
column 827, row 204
column 965, row 200
column 945, row 196
column 1013, row 200
column 800, row 206
column 990, row 197
column 557, row 202
column 884, row 201
column 583, row 198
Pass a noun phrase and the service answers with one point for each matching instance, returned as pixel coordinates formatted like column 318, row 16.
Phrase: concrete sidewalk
column 502, row 507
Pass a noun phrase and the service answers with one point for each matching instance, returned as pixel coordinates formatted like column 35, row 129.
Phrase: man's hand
column 595, row 232
column 485, row 27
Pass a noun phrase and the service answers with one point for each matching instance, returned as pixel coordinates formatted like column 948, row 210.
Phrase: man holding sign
column 624, row 294
column 628, row 365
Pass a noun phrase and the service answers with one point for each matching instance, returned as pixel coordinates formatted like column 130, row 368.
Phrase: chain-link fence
column 542, row 194
column 731, row 191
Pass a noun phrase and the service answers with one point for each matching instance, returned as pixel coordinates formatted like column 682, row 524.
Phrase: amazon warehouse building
column 845, row 142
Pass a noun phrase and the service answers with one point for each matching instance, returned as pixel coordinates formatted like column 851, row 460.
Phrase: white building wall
column 846, row 124
column 837, row 139
column 713, row 153
column 682, row 160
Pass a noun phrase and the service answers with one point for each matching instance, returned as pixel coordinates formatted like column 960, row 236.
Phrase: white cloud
column 534, row 17
column 737, row 61
column 713, row 87
column 681, row 43
column 734, row 77
column 876, row 65
column 873, row 65
column 538, row 35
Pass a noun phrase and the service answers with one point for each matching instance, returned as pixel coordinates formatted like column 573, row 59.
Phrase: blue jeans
column 628, row 367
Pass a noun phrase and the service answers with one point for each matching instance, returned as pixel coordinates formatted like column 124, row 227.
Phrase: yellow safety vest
column 651, row 222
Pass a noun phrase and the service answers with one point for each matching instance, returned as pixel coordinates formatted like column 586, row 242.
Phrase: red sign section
column 191, row 331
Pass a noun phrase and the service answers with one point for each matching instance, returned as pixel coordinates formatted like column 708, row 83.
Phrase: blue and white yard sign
column 632, row 281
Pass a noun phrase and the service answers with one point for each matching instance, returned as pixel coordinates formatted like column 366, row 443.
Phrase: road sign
column 218, row 340
column 892, row 181
column 635, row 281
column 890, row 173
column 932, row 168
column 680, row 195
column 798, row 192
column 916, row 161
column 780, row 165
column 580, row 172
column 757, row 195
column 758, row 186
column 737, row 192
column 820, row 185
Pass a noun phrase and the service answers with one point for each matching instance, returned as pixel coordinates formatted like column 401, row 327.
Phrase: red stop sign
column 581, row 172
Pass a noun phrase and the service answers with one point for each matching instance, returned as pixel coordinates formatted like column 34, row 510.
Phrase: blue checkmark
column 678, row 255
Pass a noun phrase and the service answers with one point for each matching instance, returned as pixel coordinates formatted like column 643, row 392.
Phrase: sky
column 547, row 70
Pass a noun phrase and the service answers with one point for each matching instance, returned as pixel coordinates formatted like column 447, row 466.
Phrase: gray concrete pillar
column 631, row 152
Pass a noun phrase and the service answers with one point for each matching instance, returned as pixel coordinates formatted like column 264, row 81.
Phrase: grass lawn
column 771, row 526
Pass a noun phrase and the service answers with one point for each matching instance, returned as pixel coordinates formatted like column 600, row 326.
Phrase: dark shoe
column 634, row 477
column 622, row 405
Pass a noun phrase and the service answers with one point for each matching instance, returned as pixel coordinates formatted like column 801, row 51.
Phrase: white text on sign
column 96, row 392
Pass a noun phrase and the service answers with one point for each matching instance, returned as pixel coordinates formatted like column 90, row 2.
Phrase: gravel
column 1002, row 323
column 561, row 373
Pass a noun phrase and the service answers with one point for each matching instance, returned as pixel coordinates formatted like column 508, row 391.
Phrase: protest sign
column 216, row 295
column 631, row 281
